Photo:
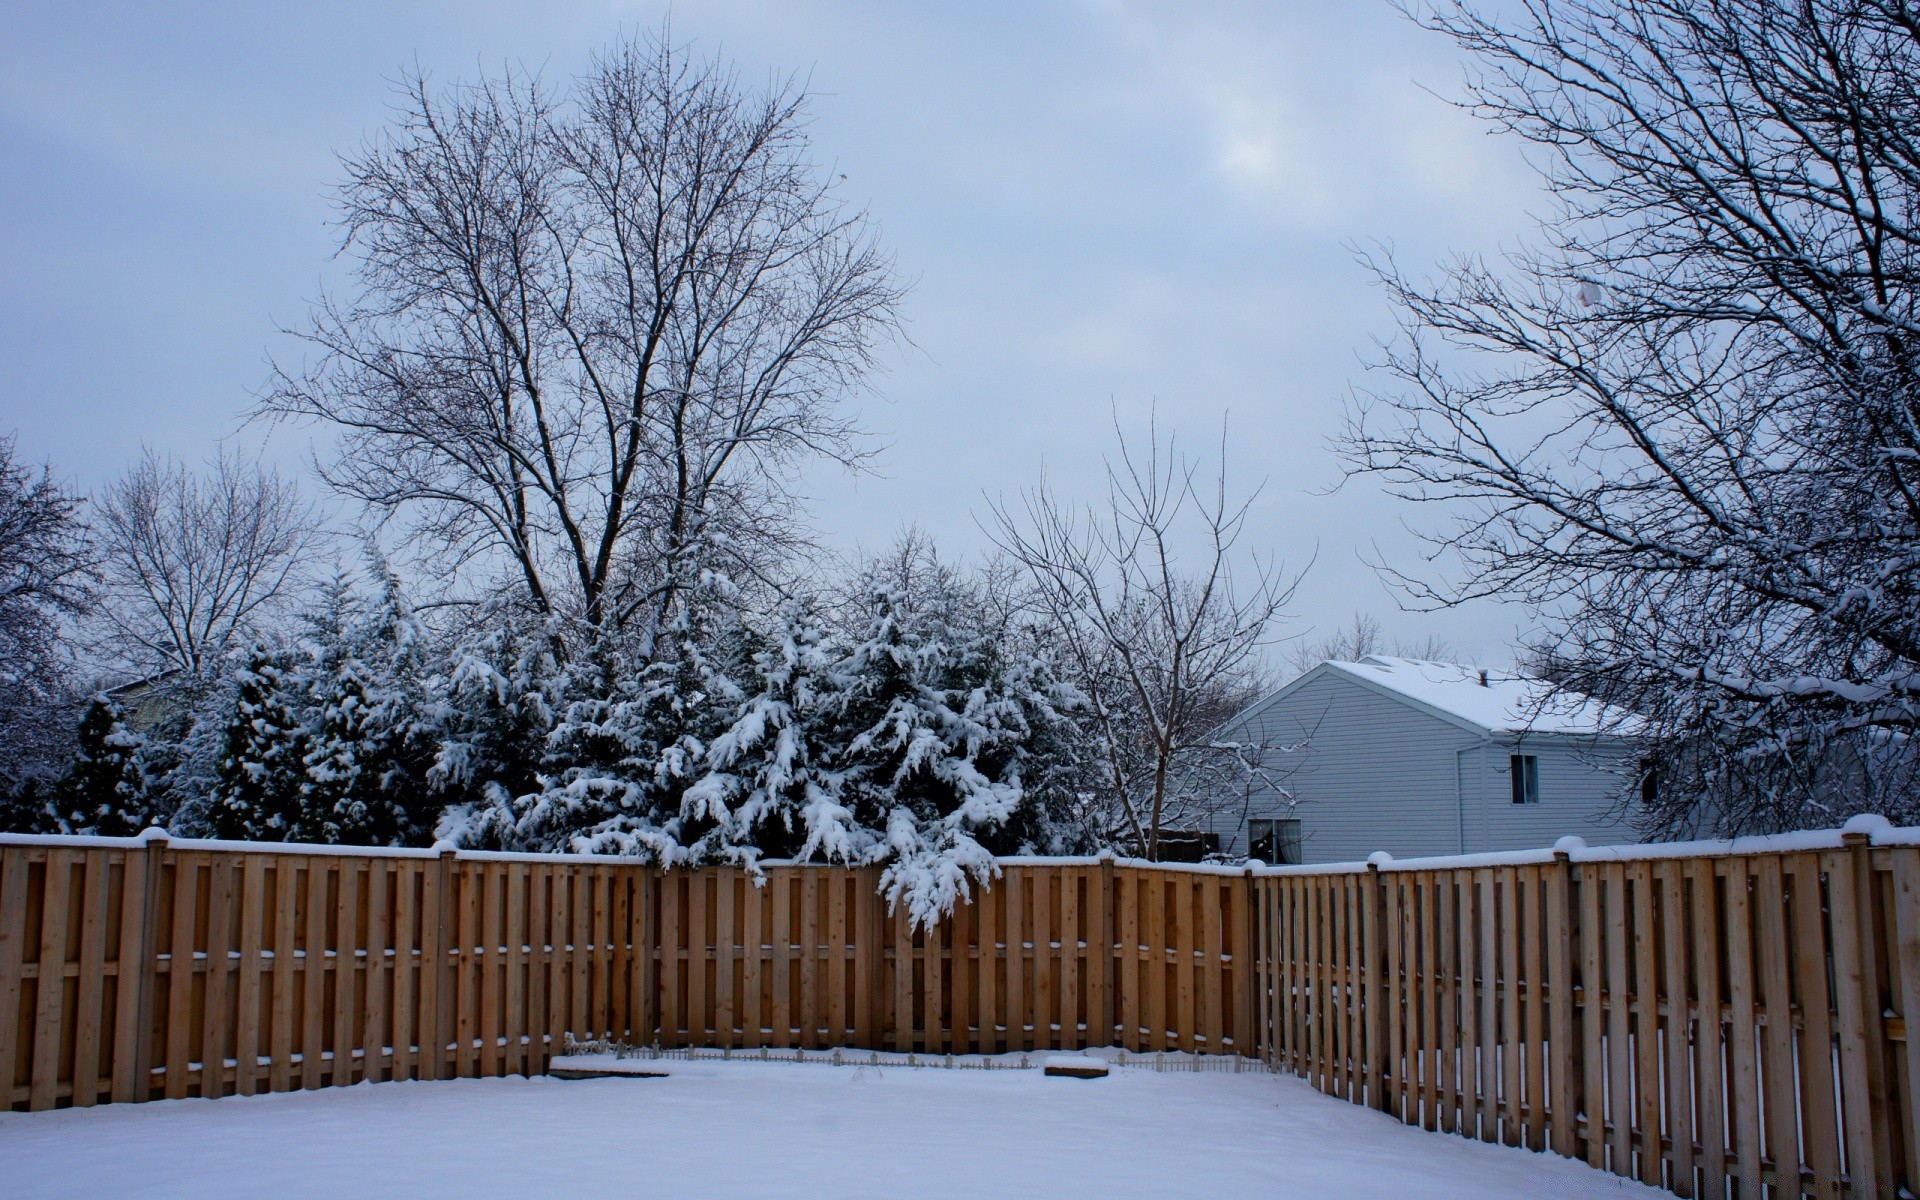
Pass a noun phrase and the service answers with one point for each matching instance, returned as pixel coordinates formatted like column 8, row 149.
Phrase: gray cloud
column 1106, row 206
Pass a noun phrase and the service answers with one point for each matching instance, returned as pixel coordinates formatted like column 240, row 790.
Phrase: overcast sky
column 1101, row 205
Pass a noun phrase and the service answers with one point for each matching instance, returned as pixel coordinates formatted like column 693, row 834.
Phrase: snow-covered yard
column 769, row 1129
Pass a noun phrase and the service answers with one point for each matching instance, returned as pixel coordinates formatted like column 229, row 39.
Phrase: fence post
column 1856, row 837
column 445, row 929
column 156, row 846
column 1565, row 1056
column 1253, row 966
column 1373, row 986
column 1109, row 969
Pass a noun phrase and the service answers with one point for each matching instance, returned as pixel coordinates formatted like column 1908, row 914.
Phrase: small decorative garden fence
column 1700, row 1017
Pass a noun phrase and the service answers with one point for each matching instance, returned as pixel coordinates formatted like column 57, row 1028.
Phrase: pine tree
column 256, row 796
column 367, row 754
column 105, row 790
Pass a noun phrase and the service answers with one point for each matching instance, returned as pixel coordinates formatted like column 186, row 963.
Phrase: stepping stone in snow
column 1076, row 1066
column 593, row 1066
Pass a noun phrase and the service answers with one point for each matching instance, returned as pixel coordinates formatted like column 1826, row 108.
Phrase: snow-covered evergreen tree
column 105, row 789
column 369, row 742
column 256, row 796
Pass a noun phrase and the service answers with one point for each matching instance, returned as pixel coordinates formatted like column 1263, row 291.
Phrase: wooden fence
column 1687, row 1021
column 136, row 971
column 1697, row 1021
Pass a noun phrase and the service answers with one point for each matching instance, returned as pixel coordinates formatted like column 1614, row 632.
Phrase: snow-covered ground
column 774, row 1130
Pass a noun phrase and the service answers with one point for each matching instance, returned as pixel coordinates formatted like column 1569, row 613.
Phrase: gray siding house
column 1422, row 758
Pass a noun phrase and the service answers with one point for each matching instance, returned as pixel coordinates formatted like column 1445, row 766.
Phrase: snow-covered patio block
column 1076, row 1066
column 603, row 1066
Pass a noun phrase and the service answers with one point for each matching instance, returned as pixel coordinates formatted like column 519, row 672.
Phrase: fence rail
column 1696, row 1021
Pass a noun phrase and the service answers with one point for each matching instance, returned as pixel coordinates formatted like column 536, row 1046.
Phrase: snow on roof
column 1493, row 701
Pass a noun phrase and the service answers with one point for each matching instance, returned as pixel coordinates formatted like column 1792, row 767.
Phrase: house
column 1422, row 758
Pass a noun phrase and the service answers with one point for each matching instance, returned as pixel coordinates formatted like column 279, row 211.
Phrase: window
column 1525, row 769
column 1274, row 841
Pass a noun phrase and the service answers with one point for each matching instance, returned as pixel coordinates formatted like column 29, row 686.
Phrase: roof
column 1494, row 704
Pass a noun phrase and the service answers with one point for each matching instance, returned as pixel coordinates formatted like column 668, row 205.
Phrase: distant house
column 1422, row 758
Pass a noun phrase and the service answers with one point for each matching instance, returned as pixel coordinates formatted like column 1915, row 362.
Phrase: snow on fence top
column 1877, row 831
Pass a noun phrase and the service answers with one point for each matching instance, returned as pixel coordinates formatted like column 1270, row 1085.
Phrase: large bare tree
column 1166, row 621
column 187, row 562
column 42, row 584
column 1685, row 424
column 597, row 330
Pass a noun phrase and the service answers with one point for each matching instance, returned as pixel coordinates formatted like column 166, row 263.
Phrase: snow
column 1502, row 704
column 777, row 1130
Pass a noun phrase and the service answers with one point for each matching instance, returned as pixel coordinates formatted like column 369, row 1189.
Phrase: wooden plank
column 1593, row 1016
column 435, row 929
column 600, row 1009
column 903, row 1026
column 1127, row 880
column 254, row 903
column 1536, row 1104
column 1015, row 1009
column 1563, row 1086
column 50, row 988
column 1393, row 1083
column 403, row 993
column 13, row 935
column 753, row 1013
column 346, row 930
column 1430, row 991
column 178, row 1013
column 89, row 1014
column 469, row 900
column 517, row 1013
column 1709, row 1069
column 313, row 979
column 1487, row 1037
column 1452, row 1095
column 579, row 951
column 1184, row 937
column 1781, row 1115
column 1100, row 961
column 281, row 1039
column 1072, row 943
column 1240, row 1022
column 932, row 983
column 1851, row 1003
column 781, row 886
column 130, row 976
column 671, row 964
column 1743, row 1093
column 1618, row 997
column 1822, row 1137
column 987, row 973
column 727, row 955
column 809, row 1001
column 559, row 957
column 699, row 1013
column 1510, row 1037
column 218, row 1014
column 961, row 988
column 1646, row 1020
column 640, row 964
column 377, row 978
column 1671, row 880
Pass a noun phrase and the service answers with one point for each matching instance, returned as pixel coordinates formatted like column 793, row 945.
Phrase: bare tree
column 189, row 562
column 1358, row 639
column 42, row 582
column 1686, row 426
column 597, row 332
column 1167, row 646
